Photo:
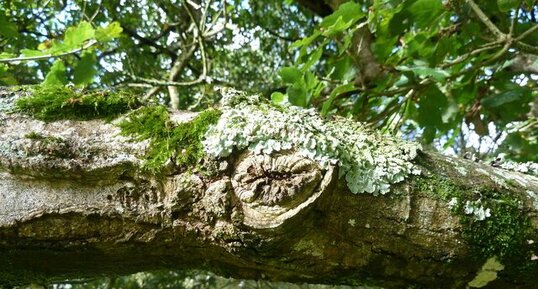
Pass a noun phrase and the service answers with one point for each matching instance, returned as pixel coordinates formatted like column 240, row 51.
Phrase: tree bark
column 79, row 205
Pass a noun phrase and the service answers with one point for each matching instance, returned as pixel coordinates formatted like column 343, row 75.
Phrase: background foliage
column 460, row 75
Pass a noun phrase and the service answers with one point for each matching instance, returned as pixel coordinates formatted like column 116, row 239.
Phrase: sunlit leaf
column 84, row 70
column 349, row 12
column 297, row 94
column 278, row 97
column 290, row 74
column 56, row 75
column 77, row 35
column 32, row 53
column 113, row 30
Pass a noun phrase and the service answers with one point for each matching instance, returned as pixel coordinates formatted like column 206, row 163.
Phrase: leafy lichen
column 181, row 143
column 50, row 103
column 370, row 162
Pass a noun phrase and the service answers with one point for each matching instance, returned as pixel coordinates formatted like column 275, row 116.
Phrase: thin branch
column 175, row 71
column 466, row 56
column 96, row 11
column 484, row 18
column 527, row 33
column 156, row 82
column 275, row 34
column 526, row 47
column 210, row 32
column 48, row 56
column 154, row 90
column 514, row 20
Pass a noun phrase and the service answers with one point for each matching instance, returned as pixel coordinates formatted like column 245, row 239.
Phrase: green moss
column 50, row 103
column 181, row 143
column 503, row 234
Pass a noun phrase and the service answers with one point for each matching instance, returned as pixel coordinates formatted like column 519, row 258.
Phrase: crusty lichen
column 369, row 161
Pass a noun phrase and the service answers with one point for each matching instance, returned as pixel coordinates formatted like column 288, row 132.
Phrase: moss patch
column 50, row 103
column 182, row 143
column 504, row 233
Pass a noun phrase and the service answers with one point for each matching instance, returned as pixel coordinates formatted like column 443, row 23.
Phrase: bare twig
column 477, row 51
column 175, row 71
column 156, row 82
column 527, row 33
column 484, row 18
column 526, row 47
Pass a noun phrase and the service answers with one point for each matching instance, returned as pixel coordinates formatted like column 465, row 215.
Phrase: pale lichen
column 369, row 161
column 529, row 168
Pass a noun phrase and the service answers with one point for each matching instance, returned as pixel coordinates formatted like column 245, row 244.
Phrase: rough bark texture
column 80, row 206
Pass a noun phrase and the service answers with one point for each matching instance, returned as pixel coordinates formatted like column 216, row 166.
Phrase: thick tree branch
column 75, row 202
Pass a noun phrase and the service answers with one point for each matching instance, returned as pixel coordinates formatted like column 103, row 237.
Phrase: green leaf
column 424, row 71
column 113, row 30
column 520, row 94
column 84, row 71
column 75, row 36
column 290, row 74
column 312, row 58
column 337, row 91
column 6, row 78
column 278, row 97
column 7, row 29
column 56, row 75
column 432, row 105
column 349, row 12
column 305, row 41
column 32, row 53
column 506, row 5
column 424, row 12
column 339, row 26
column 7, row 55
column 344, row 69
column 297, row 94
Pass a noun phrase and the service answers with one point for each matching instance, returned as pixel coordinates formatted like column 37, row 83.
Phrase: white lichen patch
column 529, row 168
column 369, row 161
column 477, row 209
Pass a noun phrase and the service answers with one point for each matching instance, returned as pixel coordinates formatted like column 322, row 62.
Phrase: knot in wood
column 285, row 179
column 274, row 188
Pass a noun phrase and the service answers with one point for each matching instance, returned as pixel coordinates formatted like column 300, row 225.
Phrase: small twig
column 527, row 33
column 154, row 90
column 526, row 47
column 156, row 82
column 484, row 18
column 48, row 56
column 514, row 20
column 466, row 56
column 96, row 11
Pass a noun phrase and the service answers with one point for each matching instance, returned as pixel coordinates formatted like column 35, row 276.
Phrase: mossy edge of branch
column 181, row 143
column 52, row 103
column 505, row 234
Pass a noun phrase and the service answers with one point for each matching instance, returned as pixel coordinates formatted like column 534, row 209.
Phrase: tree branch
column 88, row 44
column 92, row 210
column 484, row 18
